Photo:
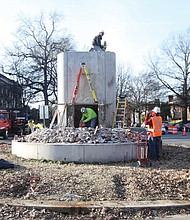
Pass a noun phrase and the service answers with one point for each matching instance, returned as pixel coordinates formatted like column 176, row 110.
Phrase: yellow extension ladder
column 83, row 68
column 120, row 117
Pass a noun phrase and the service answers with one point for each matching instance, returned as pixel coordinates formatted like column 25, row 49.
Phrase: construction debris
column 82, row 135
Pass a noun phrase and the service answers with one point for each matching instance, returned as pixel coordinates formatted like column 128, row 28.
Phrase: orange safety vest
column 157, row 126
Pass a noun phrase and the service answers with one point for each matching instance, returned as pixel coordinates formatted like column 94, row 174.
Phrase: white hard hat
column 83, row 110
column 156, row 109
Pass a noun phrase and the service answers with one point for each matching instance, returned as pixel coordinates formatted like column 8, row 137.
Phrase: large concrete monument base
column 82, row 153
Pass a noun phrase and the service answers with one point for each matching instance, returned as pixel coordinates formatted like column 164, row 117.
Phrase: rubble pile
column 82, row 135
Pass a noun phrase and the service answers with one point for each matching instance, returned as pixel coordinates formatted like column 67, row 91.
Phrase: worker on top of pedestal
column 97, row 45
column 89, row 118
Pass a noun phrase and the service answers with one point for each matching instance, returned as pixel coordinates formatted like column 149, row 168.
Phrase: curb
column 85, row 207
column 174, row 217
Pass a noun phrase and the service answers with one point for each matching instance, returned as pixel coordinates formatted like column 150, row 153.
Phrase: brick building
column 10, row 93
column 175, row 109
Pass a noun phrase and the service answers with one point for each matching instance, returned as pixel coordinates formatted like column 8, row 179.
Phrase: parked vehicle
column 179, row 125
column 11, row 124
column 187, row 126
column 163, row 129
column 165, row 123
column 5, row 123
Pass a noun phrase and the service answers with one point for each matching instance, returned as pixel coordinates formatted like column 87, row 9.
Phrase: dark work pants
column 91, row 123
column 154, row 148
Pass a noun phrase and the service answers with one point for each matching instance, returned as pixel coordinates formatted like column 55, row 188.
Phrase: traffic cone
column 184, row 131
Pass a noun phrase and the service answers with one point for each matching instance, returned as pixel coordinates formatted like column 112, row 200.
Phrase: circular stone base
column 83, row 153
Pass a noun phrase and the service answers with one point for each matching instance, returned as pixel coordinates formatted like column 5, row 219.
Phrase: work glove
column 81, row 124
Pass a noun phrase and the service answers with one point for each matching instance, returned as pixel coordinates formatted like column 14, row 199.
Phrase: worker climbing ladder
column 120, row 117
column 83, row 69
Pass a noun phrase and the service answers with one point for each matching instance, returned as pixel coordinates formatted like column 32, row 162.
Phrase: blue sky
column 133, row 28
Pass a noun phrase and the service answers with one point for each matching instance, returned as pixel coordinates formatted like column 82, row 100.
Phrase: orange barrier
column 184, row 131
column 172, row 129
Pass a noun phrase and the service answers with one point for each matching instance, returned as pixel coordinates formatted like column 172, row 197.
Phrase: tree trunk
column 184, row 114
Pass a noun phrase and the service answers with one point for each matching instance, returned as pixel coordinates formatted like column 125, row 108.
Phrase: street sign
column 44, row 112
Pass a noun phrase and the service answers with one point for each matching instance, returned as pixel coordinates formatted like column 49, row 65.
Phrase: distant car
column 187, row 126
column 163, row 129
column 165, row 123
column 180, row 126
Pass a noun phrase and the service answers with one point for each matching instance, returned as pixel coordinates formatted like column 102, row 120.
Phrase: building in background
column 176, row 109
column 10, row 93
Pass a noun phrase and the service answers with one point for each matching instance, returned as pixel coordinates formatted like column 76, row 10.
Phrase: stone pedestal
column 102, row 69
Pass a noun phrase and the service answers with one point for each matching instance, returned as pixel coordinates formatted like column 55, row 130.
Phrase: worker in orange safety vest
column 154, row 122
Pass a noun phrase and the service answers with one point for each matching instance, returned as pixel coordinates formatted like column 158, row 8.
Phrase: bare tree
column 123, row 76
column 33, row 57
column 139, row 89
column 172, row 68
column 142, row 89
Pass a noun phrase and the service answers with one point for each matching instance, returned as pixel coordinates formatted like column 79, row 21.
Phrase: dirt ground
column 167, row 179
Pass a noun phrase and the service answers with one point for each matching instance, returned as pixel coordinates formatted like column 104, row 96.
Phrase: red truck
column 10, row 124
column 5, row 123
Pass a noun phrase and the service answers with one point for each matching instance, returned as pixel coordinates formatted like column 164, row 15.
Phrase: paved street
column 177, row 139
